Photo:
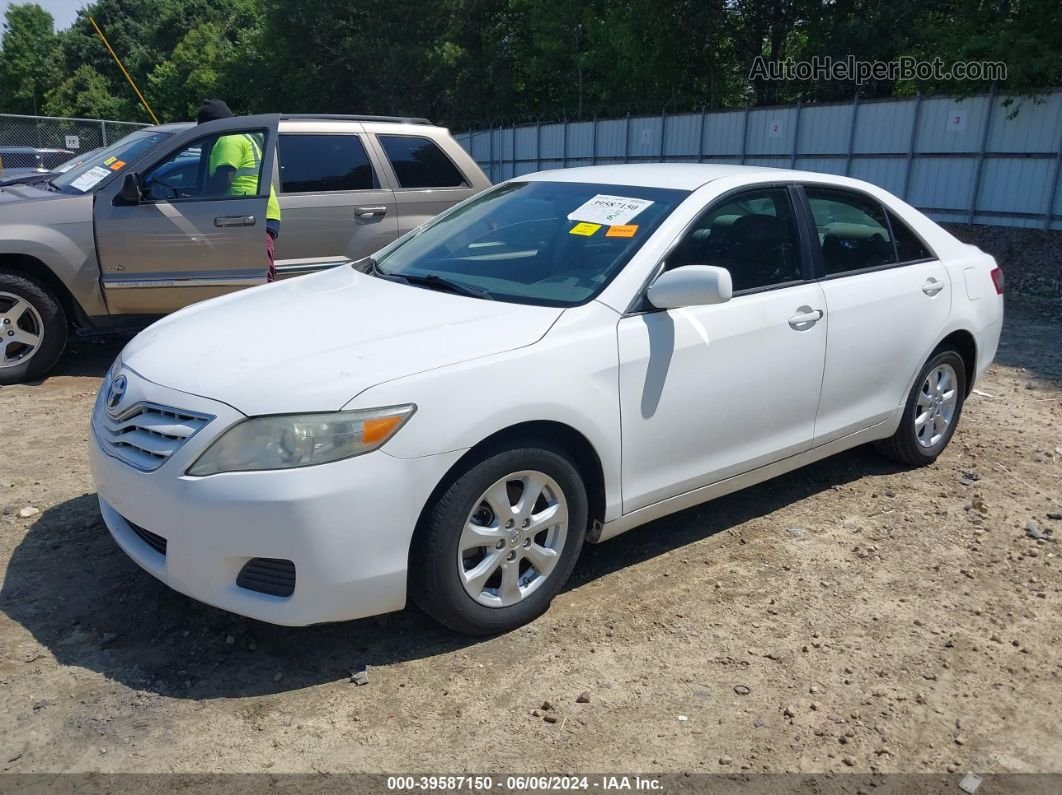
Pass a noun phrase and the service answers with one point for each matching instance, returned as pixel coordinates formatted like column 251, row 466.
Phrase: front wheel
column 32, row 328
column 932, row 411
column 500, row 542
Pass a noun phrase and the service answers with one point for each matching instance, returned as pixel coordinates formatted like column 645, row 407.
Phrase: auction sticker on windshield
column 584, row 229
column 90, row 178
column 609, row 210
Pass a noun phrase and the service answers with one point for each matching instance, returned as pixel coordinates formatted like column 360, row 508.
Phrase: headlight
column 299, row 440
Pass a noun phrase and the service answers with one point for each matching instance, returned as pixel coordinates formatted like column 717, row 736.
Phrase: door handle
column 805, row 319
column 234, row 220
column 369, row 212
column 932, row 287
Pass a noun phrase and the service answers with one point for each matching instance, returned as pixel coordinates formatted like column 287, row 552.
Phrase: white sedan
column 562, row 358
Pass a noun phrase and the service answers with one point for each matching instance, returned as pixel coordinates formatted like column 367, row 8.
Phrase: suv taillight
column 997, row 280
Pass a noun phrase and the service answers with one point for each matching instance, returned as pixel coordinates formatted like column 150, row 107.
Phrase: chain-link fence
column 67, row 135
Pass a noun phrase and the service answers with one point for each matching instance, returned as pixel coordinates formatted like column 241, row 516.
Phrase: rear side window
column 324, row 163
column 419, row 163
column 852, row 230
column 909, row 247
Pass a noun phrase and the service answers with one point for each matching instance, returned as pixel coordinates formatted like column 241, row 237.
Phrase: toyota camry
column 555, row 361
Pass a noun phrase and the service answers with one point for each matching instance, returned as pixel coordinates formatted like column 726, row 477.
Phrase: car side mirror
column 130, row 192
column 691, row 285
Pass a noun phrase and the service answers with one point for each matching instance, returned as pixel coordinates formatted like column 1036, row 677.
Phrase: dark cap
column 212, row 110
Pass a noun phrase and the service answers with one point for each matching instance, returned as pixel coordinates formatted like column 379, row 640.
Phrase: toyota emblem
column 116, row 391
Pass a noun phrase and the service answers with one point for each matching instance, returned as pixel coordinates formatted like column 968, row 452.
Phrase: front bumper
column 346, row 526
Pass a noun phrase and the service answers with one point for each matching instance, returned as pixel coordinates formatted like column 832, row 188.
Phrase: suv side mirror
column 130, row 192
column 691, row 285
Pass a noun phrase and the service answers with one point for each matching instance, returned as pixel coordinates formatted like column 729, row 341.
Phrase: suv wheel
column 32, row 328
column 500, row 542
column 932, row 411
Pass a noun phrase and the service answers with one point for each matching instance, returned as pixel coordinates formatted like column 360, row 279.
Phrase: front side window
column 420, row 163
column 853, row 231
column 312, row 163
column 753, row 235
column 546, row 243
column 212, row 167
column 96, row 169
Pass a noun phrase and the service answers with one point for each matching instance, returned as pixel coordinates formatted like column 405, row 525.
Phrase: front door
column 710, row 392
column 199, row 229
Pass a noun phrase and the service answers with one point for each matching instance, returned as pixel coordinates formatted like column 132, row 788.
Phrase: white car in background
column 561, row 358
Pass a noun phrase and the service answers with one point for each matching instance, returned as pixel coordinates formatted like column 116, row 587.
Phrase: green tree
column 85, row 93
column 28, row 60
column 192, row 73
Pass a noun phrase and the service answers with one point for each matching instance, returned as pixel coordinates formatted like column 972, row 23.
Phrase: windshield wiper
column 432, row 280
column 435, row 281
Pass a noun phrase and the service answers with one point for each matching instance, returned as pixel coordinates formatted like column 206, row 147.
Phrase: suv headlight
column 287, row 441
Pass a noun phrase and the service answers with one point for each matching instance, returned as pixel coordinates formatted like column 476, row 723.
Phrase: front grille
column 145, row 435
column 271, row 576
column 157, row 543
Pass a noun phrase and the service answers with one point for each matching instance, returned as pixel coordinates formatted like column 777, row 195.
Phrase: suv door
column 709, row 392
column 426, row 178
column 189, row 237
column 333, row 203
column 888, row 297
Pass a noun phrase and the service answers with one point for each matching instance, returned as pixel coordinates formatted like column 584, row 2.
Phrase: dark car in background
column 28, row 159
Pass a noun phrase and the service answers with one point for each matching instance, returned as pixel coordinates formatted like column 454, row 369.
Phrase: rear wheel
column 32, row 328
column 500, row 542
column 932, row 411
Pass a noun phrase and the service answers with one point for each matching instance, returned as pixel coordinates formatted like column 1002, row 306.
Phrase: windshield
column 93, row 171
column 549, row 243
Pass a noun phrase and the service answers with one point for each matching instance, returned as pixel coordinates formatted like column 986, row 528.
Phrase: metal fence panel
column 969, row 160
column 825, row 130
column 724, row 134
column 883, row 127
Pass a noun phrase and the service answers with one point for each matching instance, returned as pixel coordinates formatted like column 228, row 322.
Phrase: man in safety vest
column 234, row 169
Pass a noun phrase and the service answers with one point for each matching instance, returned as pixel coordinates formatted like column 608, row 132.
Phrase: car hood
column 19, row 191
column 314, row 342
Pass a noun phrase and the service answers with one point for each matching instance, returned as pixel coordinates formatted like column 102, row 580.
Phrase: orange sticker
column 117, row 164
column 622, row 231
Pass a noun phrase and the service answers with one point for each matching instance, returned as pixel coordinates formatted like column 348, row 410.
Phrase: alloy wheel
column 935, row 409
column 21, row 330
column 513, row 538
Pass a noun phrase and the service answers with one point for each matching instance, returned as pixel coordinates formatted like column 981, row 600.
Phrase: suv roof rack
column 355, row 117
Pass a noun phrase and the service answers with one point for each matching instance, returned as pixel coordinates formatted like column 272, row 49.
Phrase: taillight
column 997, row 280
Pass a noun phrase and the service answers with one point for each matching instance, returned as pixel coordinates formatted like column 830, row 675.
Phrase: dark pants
column 271, row 274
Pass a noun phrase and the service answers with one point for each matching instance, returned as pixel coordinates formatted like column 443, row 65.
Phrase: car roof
column 20, row 150
column 175, row 127
column 681, row 176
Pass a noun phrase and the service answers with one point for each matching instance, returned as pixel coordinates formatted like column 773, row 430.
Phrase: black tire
column 435, row 584
column 53, row 320
column 903, row 446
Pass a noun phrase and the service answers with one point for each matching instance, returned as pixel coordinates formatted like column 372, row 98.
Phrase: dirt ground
column 852, row 616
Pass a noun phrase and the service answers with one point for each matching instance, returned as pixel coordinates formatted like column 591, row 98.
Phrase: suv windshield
column 93, row 171
column 548, row 243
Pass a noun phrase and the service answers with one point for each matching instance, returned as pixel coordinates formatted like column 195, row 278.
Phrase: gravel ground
column 853, row 616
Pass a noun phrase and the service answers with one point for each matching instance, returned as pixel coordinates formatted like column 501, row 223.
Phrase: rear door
column 888, row 299
column 426, row 178
column 189, row 237
column 333, row 202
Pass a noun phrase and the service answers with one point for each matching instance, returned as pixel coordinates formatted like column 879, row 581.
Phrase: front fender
column 568, row 377
column 65, row 245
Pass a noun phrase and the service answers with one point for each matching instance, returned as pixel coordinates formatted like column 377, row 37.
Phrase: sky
column 64, row 11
